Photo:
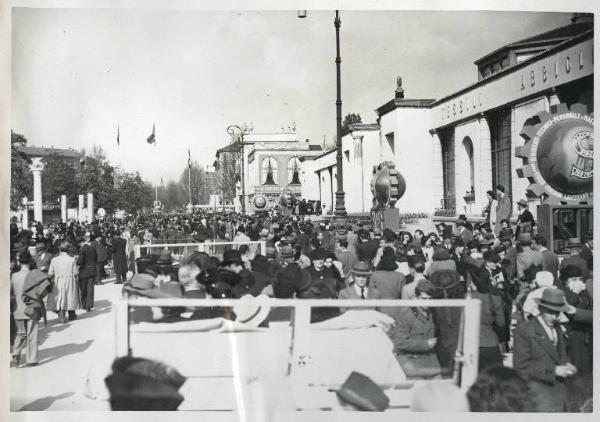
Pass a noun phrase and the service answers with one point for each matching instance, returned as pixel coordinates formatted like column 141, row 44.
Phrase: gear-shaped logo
column 387, row 185
column 558, row 154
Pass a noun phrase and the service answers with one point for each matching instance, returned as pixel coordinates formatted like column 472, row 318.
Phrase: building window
column 390, row 140
column 269, row 171
column 501, row 153
column 293, row 171
column 447, row 140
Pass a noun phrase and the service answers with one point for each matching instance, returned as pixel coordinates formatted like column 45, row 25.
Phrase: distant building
column 72, row 156
column 272, row 164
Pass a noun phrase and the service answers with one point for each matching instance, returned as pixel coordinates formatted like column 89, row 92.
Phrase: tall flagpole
column 190, row 175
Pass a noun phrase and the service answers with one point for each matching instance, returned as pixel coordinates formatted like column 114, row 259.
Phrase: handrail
column 300, row 347
column 274, row 302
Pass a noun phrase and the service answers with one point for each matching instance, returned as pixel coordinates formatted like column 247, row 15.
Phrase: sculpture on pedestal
column 387, row 187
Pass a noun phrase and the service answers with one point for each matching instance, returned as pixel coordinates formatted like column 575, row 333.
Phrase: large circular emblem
column 259, row 201
column 387, row 185
column 558, row 154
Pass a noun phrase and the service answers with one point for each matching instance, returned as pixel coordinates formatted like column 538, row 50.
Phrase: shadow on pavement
column 44, row 403
column 53, row 353
column 45, row 331
column 100, row 307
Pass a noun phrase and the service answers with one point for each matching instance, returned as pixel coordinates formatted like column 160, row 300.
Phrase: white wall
column 413, row 155
column 309, row 180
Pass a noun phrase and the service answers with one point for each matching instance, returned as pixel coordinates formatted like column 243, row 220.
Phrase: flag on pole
column 189, row 158
column 118, row 138
column 162, row 184
column 152, row 138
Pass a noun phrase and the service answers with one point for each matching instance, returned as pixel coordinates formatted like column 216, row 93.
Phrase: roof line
column 517, row 66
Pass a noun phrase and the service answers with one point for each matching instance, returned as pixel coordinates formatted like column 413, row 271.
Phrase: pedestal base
column 391, row 219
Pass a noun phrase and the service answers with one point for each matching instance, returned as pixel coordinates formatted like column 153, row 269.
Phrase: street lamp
column 237, row 136
column 340, row 207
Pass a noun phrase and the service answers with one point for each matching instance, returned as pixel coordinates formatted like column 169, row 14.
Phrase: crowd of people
column 535, row 307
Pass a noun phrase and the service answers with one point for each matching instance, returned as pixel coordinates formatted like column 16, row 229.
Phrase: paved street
column 66, row 352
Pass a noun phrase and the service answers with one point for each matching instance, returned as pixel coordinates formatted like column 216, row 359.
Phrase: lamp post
column 237, row 136
column 340, row 207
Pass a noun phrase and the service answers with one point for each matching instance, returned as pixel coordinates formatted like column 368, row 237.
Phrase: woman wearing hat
column 525, row 221
column 65, row 295
column 359, row 284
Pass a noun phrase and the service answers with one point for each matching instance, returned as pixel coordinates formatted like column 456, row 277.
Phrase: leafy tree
column 350, row 119
column 58, row 180
column 173, row 196
column 133, row 194
column 199, row 185
column 21, row 179
column 227, row 174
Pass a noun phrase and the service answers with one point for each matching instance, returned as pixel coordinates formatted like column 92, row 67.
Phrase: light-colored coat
column 65, row 293
column 17, row 281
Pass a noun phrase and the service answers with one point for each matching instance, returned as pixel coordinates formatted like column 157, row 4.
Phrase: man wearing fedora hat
column 359, row 284
column 540, row 352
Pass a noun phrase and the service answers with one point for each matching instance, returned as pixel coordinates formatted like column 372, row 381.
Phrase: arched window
column 269, row 171
column 293, row 171
column 468, row 145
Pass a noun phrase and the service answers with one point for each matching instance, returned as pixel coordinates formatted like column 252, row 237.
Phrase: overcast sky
column 77, row 74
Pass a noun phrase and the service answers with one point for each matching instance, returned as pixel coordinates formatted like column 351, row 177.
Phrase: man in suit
column 359, row 284
column 551, row 263
column 540, row 353
column 414, row 336
column 119, row 249
column 87, row 271
column 503, row 209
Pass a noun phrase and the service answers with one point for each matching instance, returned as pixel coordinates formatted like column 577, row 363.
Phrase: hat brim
column 362, row 272
column 562, row 308
column 232, row 261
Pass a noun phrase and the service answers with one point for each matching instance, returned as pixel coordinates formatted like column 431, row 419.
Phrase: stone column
column 63, row 208
column 358, row 170
column 80, row 208
column 25, row 222
column 437, row 170
column 90, row 207
column 36, row 167
column 484, row 161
